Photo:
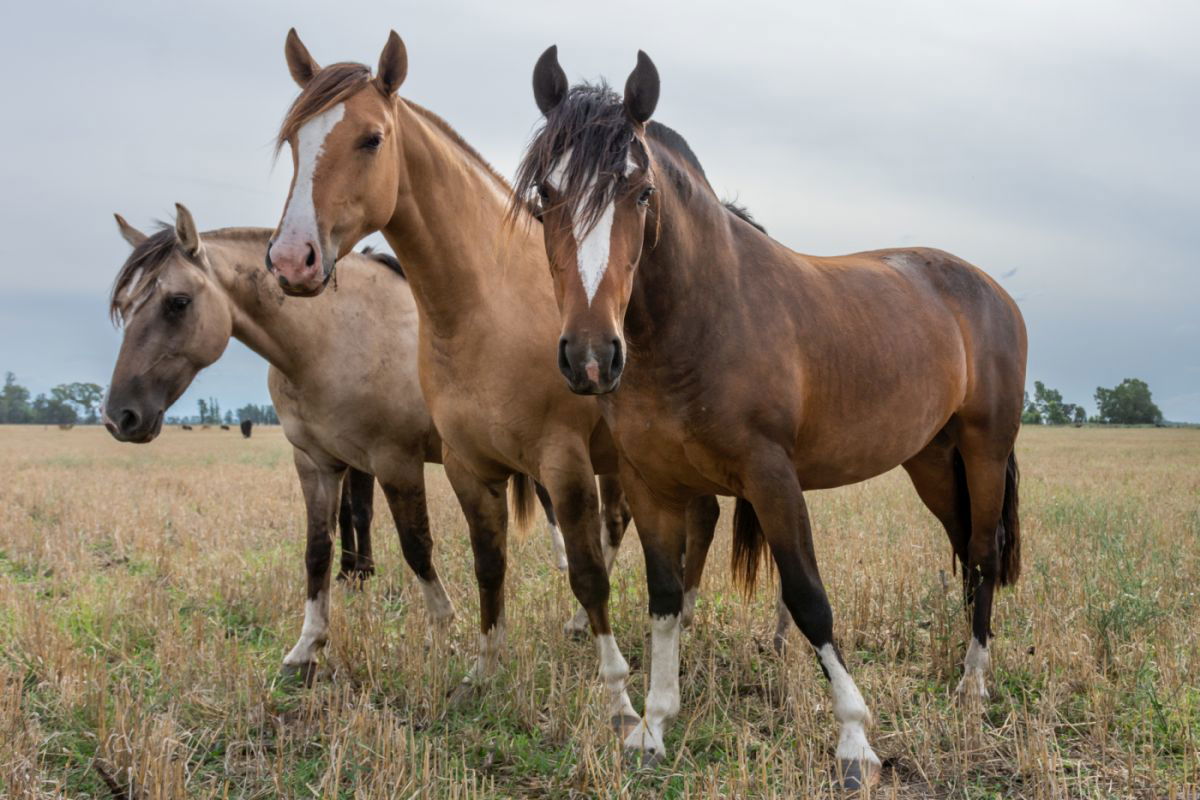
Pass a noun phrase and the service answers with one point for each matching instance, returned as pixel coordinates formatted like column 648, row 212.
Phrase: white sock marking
column 849, row 710
column 300, row 216
column 315, row 632
column 558, row 546
column 614, row 670
column 662, row 704
column 975, row 667
column 437, row 603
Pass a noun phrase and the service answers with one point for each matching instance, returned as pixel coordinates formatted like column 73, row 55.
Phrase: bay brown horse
column 747, row 369
column 351, row 406
column 366, row 160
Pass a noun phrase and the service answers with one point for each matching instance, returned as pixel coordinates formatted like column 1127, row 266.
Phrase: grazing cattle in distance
column 246, row 426
column 186, row 427
column 224, row 427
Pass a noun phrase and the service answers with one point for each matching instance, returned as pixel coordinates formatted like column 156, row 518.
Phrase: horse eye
column 372, row 142
column 543, row 193
column 644, row 199
column 177, row 303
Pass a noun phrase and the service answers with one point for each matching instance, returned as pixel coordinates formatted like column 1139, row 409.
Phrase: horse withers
column 727, row 363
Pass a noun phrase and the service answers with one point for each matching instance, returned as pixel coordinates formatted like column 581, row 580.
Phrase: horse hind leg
column 701, row 520
column 993, row 550
column 362, row 513
column 557, row 547
column 614, row 521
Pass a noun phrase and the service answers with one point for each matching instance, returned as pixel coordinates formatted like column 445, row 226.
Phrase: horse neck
column 448, row 228
column 262, row 319
column 679, row 282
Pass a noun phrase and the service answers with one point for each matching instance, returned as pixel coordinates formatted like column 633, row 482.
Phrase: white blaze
column 591, row 247
column 300, row 217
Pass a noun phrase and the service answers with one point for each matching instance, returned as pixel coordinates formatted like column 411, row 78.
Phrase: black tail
column 1010, row 521
column 748, row 543
column 521, row 493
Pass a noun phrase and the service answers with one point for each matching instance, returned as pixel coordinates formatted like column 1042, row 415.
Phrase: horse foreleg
column 557, row 547
column 404, row 488
column 320, row 486
column 783, row 516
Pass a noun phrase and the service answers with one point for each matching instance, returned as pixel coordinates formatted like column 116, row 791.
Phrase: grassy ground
column 148, row 594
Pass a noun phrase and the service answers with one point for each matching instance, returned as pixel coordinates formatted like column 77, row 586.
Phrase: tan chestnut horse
column 365, row 159
column 759, row 372
column 351, row 401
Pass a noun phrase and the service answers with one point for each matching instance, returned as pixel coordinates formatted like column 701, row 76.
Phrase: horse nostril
column 129, row 420
column 564, row 366
column 312, row 256
column 618, row 359
column 283, row 281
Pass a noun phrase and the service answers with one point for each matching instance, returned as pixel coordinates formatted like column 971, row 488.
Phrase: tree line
column 1128, row 403
column 71, row 403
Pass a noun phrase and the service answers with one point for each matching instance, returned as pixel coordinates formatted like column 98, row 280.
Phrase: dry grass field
column 148, row 594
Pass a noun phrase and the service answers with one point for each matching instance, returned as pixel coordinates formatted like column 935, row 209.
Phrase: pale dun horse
column 727, row 363
column 181, row 295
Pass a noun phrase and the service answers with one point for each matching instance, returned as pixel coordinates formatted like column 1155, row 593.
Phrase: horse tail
column 748, row 540
column 521, row 495
column 1010, row 547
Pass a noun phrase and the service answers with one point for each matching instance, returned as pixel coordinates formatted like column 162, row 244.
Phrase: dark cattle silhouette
column 224, row 427
column 186, row 427
column 247, row 424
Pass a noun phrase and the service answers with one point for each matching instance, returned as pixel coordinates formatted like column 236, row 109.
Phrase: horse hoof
column 857, row 774
column 305, row 673
column 635, row 758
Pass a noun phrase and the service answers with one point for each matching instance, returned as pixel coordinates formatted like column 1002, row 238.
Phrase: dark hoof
column 857, row 774
column 356, row 577
column 305, row 673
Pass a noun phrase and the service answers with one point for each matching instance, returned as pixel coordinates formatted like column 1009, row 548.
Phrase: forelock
column 592, row 131
column 331, row 85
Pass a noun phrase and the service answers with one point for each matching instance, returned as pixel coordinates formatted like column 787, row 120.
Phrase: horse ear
column 185, row 231
column 393, row 65
column 302, row 65
column 641, row 90
column 129, row 233
column 549, row 80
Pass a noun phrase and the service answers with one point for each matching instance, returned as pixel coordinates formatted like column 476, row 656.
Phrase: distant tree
column 87, row 397
column 214, row 411
column 259, row 415
column 1079, row 416
column 1127, row 403
column 203, row 410
column 228, row 417
column 14, row 402
column 1050, row 405
column 56, row 409
column 1029, row 412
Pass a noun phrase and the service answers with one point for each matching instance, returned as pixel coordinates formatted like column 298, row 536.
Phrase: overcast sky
column 1055, row 145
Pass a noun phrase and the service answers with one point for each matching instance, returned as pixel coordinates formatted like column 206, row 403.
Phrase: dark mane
column 387, row 259
column 330, row 86
column 743, row 213
column 141, row 269
column 592, row 124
